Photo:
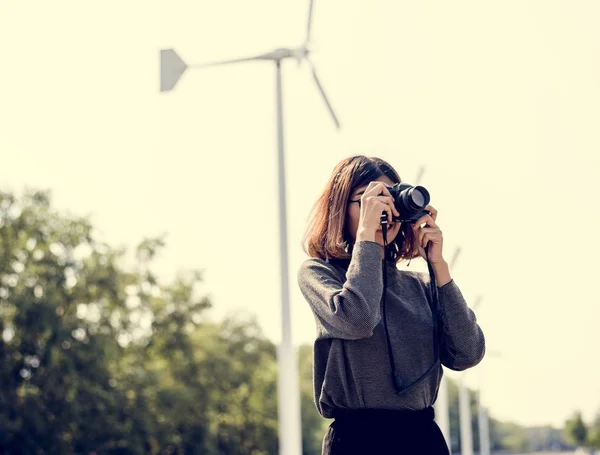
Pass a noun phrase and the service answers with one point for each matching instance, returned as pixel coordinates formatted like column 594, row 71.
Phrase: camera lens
column 416, row 198
column 409, row 200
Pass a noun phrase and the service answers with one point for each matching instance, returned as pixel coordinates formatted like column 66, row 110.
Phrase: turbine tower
column 172, row 68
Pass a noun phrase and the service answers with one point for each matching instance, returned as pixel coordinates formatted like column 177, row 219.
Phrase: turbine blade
column 320, row 87
column 235, row 60
column 454, row 257
column 309, row 23
column 477, row 302
column 420, row 175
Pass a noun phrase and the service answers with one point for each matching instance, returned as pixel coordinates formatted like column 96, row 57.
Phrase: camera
column 410, row 201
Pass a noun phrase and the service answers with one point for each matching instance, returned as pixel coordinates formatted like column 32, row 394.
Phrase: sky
column 499, row 102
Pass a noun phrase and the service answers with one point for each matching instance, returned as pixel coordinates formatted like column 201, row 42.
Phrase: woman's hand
column 375, row 200
column 432, row 233
column 426, row 230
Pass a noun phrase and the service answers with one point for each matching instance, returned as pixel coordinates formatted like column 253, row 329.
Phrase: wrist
column 439, row 264
column 366, row 234
column 442, row 273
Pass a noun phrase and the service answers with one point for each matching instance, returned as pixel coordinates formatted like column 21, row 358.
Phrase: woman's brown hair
column 327, row 236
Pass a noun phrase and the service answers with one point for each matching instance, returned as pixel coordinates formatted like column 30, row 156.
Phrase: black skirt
column 384, row 432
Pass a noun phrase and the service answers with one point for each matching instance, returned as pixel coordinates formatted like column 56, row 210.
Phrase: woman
column 377, row 356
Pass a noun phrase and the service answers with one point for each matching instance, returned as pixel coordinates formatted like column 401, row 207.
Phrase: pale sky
column 499, row 101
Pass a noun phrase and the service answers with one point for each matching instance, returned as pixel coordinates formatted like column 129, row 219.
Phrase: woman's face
column 353, row 215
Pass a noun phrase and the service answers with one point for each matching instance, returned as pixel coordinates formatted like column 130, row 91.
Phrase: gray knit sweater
column 351, row 366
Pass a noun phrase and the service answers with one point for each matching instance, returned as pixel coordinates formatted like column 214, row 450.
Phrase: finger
column 432, row 211
column 370, row 187
column 433, row 238
column 390, row 214
column 422, row 237
column 390, row 201
column 368, row 191
column 376, row 188
column 382, row 199
column 425, row 219
column 381, row 207
column 426, row 239
column 426, row 234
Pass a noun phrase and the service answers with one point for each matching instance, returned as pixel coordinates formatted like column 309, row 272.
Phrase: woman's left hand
column 430, row 232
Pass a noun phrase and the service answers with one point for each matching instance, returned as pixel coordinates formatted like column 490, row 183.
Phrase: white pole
column 288, row 390
column 442, row 412
column 442, row 404
column 484, row 433
column 466, row 436
column 487, row 449
column 480, row 418
column 483, row 417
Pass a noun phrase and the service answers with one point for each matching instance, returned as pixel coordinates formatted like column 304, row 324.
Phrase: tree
column 314, row 425
column 57, row 367
column 576, row 430
column 96, row 358
column 594, row 432
column 241, row 374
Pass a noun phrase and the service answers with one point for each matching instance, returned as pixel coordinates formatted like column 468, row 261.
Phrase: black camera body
column 410, row 201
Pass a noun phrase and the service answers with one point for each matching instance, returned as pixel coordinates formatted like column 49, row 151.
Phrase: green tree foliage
column 509, row 436
column 581, row 435
column 56, row 367
column 576, row 430
column 95, row 358
column 313, row 425
column 546, row 439
column 594, row 433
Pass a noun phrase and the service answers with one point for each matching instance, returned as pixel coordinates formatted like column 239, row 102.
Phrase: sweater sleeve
column 462, row 343
column 350, row 308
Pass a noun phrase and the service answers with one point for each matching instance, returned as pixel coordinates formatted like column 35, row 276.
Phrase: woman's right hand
column 375, row 200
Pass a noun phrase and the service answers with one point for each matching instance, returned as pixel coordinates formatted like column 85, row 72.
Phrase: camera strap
column 433, row 305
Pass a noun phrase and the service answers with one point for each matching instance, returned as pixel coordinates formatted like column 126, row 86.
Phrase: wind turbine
column 172, row 67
